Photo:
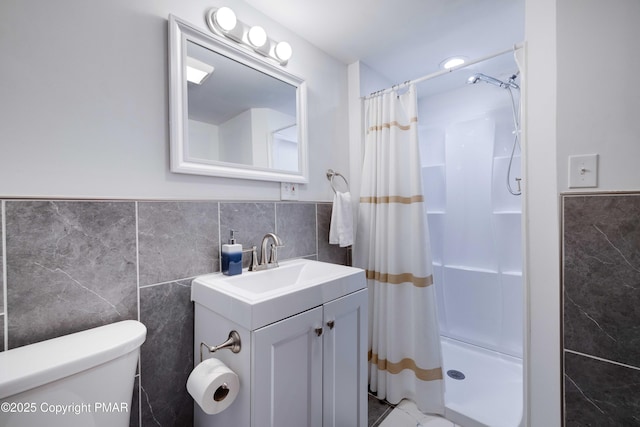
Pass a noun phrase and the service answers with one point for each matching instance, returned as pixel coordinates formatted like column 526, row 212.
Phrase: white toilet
column 82, row 379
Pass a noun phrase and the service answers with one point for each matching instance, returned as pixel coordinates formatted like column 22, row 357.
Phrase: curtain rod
column 442, row 72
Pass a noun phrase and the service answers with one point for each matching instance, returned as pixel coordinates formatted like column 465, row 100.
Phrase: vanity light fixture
column 198, row 71
column 223, row 21
column 257, row 36
column 226, row 18
column 258, row 39
column 283, row 51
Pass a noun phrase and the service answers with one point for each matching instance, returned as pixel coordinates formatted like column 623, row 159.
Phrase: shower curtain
column 392, row 245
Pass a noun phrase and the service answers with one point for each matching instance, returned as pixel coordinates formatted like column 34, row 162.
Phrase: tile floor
column 405, row 414
column 378, row 410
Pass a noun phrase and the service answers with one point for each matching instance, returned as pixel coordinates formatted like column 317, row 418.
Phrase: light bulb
column 226, row 19
column 257, row 36
column 452, row 62
column 283, row 51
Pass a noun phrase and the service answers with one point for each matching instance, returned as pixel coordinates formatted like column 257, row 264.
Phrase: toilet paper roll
column 213, row 386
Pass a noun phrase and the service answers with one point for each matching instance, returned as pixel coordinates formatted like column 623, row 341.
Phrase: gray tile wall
column 601, row 318
column 73, row 265
column 70, row 266
column 177, row 240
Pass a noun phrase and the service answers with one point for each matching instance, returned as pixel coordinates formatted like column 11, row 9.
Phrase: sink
column 258, row 298
column 270, row 280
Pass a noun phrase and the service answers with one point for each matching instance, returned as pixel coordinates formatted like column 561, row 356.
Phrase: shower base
column 490, row 393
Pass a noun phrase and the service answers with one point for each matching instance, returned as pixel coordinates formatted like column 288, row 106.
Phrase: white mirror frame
column 179, row 33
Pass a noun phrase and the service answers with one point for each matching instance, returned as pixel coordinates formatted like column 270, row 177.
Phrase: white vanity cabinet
column 303, row 332
column 287, row 372
column 310, row 369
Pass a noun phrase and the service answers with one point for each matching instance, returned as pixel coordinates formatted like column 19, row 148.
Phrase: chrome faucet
column 272, row 260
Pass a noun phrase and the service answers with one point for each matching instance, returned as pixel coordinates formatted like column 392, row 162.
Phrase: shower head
column 479, row 77
column 491, row 80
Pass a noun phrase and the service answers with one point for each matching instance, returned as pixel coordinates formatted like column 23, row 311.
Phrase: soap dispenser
column 232, row 256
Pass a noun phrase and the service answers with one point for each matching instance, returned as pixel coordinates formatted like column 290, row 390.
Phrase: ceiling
column 401, row 39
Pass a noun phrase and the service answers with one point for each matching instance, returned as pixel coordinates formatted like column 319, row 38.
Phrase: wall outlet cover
column 288, row 191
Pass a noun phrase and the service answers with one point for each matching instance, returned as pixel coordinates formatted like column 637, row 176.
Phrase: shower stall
column 470, row 152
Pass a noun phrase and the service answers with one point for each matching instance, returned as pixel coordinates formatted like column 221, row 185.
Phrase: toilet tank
column 82, row 379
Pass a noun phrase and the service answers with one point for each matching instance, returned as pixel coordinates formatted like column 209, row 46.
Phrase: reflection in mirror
column 250, row 108
column 283, row 148
column 233, row 114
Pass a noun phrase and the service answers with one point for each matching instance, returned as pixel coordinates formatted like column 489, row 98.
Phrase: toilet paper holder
column 232, row 343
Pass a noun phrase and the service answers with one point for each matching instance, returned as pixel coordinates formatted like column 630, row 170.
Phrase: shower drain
column 456, row 375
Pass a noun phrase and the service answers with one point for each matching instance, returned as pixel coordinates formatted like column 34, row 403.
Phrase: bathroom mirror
column 233, row 113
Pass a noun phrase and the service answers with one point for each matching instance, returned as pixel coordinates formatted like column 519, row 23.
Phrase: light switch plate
column 583, row 171
column 288, row 191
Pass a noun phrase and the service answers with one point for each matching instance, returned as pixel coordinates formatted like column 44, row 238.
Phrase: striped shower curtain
column 392, row 245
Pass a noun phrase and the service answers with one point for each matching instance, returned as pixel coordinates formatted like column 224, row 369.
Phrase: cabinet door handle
column 331, row 324
column 318, row 331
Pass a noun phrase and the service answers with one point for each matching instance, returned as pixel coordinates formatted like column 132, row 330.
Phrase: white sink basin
column 258, row 298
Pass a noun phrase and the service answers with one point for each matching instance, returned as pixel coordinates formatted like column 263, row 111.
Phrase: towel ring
column 331, row 174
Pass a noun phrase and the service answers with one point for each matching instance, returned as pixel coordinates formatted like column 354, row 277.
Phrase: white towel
column 341, row 230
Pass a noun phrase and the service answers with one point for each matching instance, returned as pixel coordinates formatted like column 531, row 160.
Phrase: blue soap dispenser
column 232, row 256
